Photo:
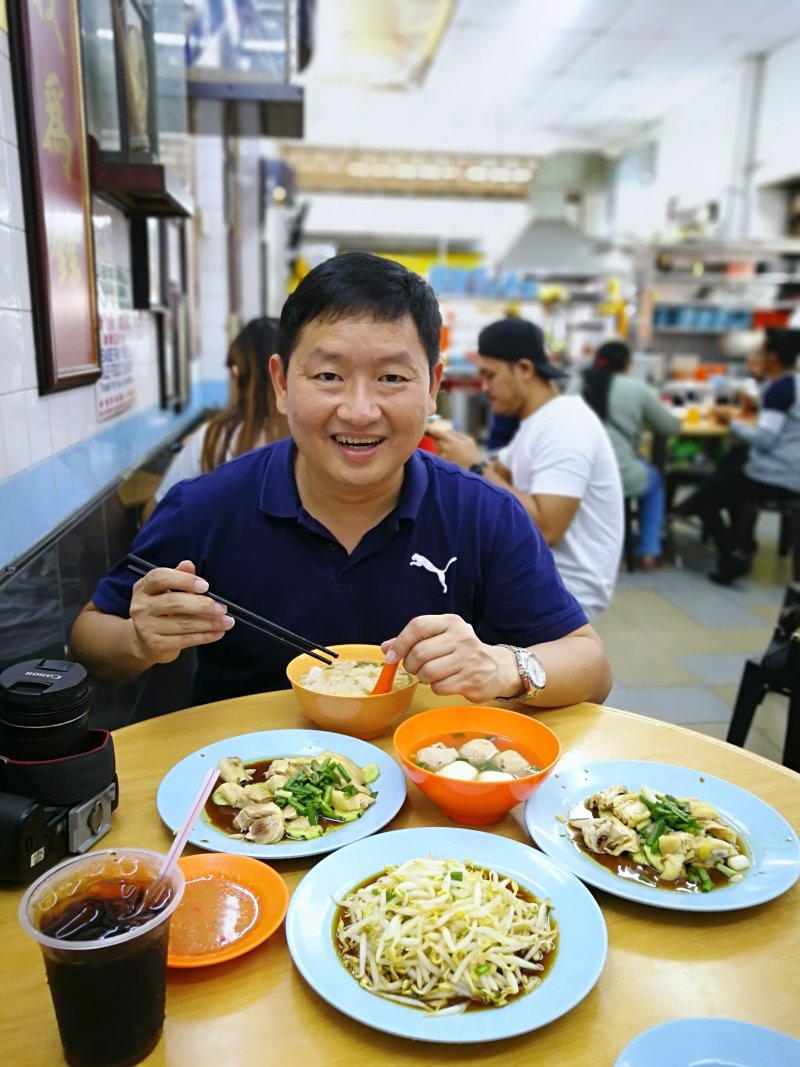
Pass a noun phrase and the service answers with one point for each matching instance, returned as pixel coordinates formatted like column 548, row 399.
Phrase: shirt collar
column 278, row 494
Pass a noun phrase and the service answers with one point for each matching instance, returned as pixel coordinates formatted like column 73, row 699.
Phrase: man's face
column 504, row 384
column 356, row 395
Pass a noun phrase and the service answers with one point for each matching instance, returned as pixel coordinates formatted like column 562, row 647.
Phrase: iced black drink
column 105, row 952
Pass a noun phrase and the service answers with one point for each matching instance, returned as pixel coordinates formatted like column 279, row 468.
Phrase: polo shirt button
column 332, row 546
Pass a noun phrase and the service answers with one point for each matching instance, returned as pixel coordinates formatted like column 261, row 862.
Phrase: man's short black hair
column 783, row 344
column 357, row 284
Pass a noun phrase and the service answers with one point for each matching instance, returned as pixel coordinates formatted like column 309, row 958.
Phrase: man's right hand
column 170, row 613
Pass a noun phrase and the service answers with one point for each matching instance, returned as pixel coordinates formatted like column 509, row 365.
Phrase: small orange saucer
column 230, row 905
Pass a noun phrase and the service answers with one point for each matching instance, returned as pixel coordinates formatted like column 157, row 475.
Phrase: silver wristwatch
column 532, row 674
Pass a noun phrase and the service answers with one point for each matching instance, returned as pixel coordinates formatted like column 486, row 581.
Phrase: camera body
column 58, row 782
column 34, row 836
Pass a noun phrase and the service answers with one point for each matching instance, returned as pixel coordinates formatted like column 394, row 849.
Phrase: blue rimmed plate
column 580, row 953
column 771, row 841
column 710, row 1043
column 180, row 783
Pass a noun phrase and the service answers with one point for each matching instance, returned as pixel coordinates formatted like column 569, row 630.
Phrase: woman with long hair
column 250, row 418
column 626, row 406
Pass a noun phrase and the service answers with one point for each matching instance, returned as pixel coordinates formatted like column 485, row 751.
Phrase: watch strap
column 531, row 688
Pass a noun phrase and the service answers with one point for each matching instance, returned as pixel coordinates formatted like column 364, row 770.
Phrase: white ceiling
column 533, row 76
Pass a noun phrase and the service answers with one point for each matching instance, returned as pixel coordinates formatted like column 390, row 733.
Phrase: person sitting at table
column 346, row 531
column 250, row 418
column 732, row 462
column 772, row 465
column 626, row 406
column 559, row 465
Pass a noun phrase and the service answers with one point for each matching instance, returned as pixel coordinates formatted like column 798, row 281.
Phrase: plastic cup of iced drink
column 105, row 951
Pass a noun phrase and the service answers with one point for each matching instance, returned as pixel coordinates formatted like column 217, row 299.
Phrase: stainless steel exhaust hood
column 569, row 208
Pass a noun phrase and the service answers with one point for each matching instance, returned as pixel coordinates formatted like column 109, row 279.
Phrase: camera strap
column 65, row 781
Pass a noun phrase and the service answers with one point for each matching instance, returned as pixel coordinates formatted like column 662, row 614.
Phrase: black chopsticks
column 271, row 629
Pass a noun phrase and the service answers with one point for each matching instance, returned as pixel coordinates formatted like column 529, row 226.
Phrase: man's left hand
column 444, row 652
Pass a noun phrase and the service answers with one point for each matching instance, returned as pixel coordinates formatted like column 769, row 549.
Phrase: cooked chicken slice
column 700, row 809
column 672, row 866
column 266, row 830
column 608, row 835
column 258, row 791
column 230, row 794
column 718, row 829
column 279, row 766
column 603, row 801
column 232, row 769
column 711, row 850
column 629, row 809
column 677, row 849
column 478, row 751
column 252, row 812
column 437, row 755
column 678, row 841
column 357, row 802
column 512, row 763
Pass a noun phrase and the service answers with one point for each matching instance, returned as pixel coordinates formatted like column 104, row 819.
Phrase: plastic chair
column 778, row 672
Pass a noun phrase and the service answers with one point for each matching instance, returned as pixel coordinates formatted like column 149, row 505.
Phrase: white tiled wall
column 34, row 428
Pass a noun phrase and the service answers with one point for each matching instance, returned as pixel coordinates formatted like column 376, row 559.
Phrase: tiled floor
column 678, row 643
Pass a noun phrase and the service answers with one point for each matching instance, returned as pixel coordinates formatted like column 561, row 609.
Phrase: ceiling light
column 476, row 174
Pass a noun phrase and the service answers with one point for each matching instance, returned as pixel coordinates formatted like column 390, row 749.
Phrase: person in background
column 347, row 531
column 732, row 462
column 627, row 406
column 772, row 464
column 559, row 465
column 249, row 420
column 501, row 432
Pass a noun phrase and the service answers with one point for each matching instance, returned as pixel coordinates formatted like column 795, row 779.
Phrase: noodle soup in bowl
column 491, row 780
column 338, row 697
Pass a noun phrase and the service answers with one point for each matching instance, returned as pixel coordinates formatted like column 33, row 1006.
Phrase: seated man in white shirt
column 559, row 464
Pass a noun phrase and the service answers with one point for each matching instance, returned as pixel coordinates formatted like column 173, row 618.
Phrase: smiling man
column 346, row 531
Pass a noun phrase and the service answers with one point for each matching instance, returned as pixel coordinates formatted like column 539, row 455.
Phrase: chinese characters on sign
column 45, row 56
column 116, row 390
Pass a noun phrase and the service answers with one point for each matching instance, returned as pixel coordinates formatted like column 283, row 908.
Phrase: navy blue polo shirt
column 454, row 544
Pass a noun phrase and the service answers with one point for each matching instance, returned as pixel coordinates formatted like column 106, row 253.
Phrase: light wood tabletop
column 661, row 965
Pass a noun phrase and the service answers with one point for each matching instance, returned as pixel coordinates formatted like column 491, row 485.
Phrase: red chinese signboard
column 45, row 56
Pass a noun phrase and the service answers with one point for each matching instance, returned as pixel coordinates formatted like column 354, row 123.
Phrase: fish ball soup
column 475, row 757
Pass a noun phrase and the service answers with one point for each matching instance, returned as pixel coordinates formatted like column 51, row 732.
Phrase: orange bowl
column 476, row 803
column 361, row 716
column 220, row 887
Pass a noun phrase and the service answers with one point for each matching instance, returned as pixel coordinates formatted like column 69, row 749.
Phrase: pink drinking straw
column 182, row 835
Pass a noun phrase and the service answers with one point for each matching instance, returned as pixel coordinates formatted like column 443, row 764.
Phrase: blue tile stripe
column 37, row 501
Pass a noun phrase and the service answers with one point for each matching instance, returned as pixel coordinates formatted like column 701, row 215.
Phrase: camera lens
column 44, row 710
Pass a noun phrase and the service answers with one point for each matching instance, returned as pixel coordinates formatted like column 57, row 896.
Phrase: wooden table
column 661, row 965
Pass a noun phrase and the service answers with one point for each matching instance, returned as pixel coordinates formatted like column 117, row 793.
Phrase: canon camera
column 58, row 782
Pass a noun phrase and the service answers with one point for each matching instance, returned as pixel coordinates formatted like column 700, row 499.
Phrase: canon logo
column 40, row 674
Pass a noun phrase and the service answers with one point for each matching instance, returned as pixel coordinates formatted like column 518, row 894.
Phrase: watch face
column 536, row 670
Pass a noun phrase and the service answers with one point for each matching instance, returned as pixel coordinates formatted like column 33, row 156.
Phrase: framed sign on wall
column 46, row 70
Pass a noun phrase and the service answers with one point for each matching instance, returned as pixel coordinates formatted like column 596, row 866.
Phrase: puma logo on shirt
column 420, row 561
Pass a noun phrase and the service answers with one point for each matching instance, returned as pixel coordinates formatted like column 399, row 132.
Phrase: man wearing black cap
column 560, row 464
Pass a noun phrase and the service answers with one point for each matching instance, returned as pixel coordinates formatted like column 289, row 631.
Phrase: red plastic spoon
column 385, row 678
